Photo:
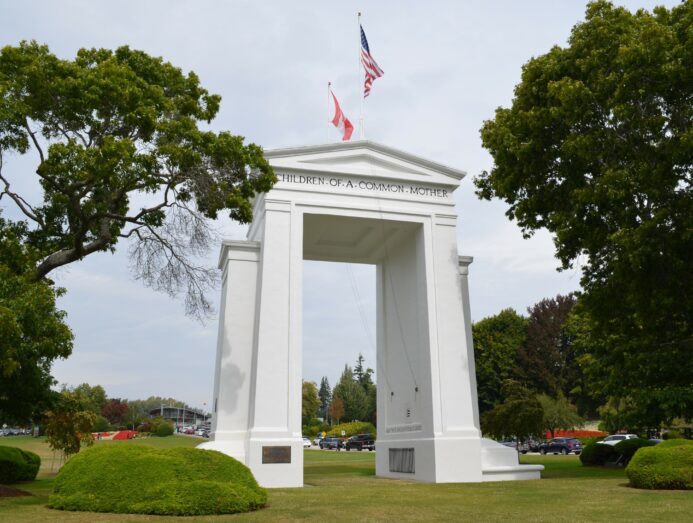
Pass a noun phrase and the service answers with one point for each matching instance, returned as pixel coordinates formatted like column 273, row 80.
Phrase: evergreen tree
column 352, row 395
column 325, row 395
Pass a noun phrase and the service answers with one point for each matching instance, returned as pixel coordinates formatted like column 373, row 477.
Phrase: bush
column 145, row 480
column 628, row 447
column 164, row 429
column 589, row 440
column 597, row 454
column 674, row 443
column 352, row 428
column 662, row 467
column 101, row 425
column 18, row 465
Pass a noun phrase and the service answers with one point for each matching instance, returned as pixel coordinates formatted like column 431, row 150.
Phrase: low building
column 181, row 416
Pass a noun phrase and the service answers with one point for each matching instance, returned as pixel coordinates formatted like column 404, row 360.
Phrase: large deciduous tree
column 550, row 359
column 33, row 332
column 559, row 413
column 497, row 340
column 93, row 397
column 120, row 154
column 115, row 411
column 519, row 416
column 597, row 148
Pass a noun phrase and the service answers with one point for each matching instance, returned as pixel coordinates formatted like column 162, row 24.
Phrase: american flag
column 369, row 66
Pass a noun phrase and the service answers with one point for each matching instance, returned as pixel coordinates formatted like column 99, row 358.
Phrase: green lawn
column 341, row 486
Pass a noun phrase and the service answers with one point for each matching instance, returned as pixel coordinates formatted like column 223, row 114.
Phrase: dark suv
column 360, row 442
column 562, row 445
column 331, row 443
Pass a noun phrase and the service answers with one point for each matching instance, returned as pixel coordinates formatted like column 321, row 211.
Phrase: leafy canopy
column 497, row 340
column 33, row 332
column 112, row 128
column 520, row 416
column 597, row 148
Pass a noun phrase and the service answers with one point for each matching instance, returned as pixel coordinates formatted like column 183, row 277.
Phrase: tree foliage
column 93, row 397
column 520, row 416
column 597, row 148
column 310, row 402
column 336, row 409
column 559, row 413
column 33, row 332
column 120, row 154
column 325, row 395
column 363, row 376
column 68, row 424
column 351, row 394
column 115, row 411
column 497, row 340
column 550, row 360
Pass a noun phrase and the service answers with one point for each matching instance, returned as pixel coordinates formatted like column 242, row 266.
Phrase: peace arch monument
column 356, row 202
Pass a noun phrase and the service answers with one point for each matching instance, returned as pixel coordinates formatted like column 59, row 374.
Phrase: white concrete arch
column 357, row 202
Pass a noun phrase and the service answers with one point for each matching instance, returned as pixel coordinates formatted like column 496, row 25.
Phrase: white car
column 615, row 438
column 306, row 443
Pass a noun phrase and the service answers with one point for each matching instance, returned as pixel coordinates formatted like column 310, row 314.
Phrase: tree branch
column 20, row 202
column 33, row 139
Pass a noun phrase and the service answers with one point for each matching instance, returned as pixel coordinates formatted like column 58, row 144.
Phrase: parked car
column 317, row 440
column 615, row 438
column 331, row 443
column 360, row 442
column 306, row 443
column 524, row 447
column 561, row 445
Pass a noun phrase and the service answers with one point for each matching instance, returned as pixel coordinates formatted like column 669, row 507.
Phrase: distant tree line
column 352, row 399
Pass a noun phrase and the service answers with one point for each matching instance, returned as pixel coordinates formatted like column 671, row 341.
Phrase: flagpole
column 328, row 112
column 362, row 131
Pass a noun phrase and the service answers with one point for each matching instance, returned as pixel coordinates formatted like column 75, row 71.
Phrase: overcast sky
column 448, row 65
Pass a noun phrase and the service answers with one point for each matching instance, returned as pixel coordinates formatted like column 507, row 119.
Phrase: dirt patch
column 9, row 492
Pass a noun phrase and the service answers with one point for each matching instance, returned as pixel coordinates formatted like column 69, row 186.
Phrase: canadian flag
column 340, row 121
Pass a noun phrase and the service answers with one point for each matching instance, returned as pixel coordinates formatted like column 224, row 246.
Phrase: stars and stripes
column 340, row 121
column 369, row 66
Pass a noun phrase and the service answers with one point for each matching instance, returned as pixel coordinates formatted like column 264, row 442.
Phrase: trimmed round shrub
column 628, row 447
column 597, row 454
column 165, row 429
column 662, row 467
column 18, row 465
column 145, row 480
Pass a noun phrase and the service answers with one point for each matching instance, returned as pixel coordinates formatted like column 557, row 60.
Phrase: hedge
column 662, row 467
column 597, row 454
column 145, row 480
column 352, row 428
column 628, row 447
column 675, row 443
column 18, row 465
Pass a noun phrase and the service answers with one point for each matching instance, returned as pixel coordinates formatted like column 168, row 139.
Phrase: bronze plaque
column 276, row 454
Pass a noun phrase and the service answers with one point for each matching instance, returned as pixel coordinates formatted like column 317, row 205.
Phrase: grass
column 341, row 486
